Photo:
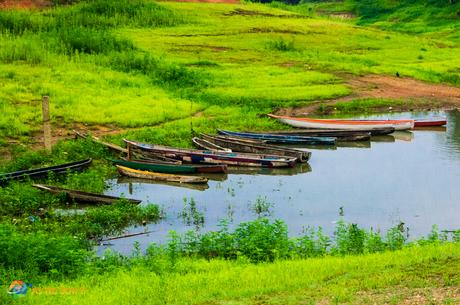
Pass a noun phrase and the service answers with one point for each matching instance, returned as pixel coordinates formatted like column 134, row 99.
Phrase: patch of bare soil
column 249, row 13
column 411, row 296
column 24, row 4
column 420, row 93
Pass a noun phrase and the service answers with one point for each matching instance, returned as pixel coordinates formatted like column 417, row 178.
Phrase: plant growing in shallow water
column 261, row 207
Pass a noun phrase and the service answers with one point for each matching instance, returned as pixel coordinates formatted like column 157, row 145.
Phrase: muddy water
column 412, row 177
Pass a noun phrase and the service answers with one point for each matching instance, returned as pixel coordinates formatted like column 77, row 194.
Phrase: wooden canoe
column 166, row 168
column 430, row 122
column 257, row 148
column 192, row 186
column 83, row 197
column 207, row 145
column 44, row 171
column 213, row 157
column 281, row 139
column 336, row 133
column 134, row 173
column 357, row 125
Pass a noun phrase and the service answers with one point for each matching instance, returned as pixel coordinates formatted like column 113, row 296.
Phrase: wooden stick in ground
column 46, row 123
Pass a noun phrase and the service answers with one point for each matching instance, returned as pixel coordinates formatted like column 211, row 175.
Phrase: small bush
column 32, row 255
column 281, row 45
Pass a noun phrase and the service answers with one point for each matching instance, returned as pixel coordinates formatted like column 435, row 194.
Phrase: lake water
column 413, row 177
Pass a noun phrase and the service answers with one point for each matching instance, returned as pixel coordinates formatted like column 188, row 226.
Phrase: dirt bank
column 421, row 94
column 25, row 4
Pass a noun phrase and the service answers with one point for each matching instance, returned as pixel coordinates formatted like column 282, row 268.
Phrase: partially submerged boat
column 83, row 197
column 257, row 147
column 357, row 125
column 134, row 173
column 211, row 157
column 45, row 171
column 281, row 139
column 171, row 168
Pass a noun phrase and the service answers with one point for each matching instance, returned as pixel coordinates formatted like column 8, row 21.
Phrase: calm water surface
column 412, row 177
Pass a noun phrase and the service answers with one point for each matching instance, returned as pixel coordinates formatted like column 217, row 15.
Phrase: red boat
column 430, row 122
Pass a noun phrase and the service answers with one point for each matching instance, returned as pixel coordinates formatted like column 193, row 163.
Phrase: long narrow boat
column 337, row 133
column 430, row 122
column 213, row 157
column 206, row 145
column 281, row 139
column 191, row 186
column 44, row 171
column 171, row 168
column 257, row 148
column 134, row 173
column 84, row 197
column 357, row 125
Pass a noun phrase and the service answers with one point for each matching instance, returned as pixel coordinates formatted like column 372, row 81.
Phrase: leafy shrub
column 281, row 45
column 34, row 254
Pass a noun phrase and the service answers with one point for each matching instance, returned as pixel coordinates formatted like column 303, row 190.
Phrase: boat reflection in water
column 300, row 168
column 403, row 136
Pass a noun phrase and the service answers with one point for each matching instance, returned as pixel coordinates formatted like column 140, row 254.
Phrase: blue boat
column 280, row 139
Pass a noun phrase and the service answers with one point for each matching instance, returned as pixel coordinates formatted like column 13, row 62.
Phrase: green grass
column 155, row 71
column 137, row 64
column 377, row 278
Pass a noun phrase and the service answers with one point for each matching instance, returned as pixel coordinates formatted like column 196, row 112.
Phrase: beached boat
column 337, row 133
column 134, row 173
column 171, row 168
column 357, row 125
column 83, row 197
column 213, row 157
column 430, row 122
column 257, row 148
column 281, row 139
column 192, row 186
column 207, row 145
column 44, row 171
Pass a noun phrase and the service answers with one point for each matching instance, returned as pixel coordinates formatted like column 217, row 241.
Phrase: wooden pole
column 46, row 122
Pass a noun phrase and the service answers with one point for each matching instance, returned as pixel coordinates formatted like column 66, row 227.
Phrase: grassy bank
column 153, row 71
column 428, row 274
column 139, row 63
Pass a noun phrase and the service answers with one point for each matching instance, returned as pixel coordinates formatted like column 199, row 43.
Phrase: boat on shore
column 335, row 133
column 210, row 157
column 191, row 186
column 257, row 147
column 281, row 139
column 357, row 125
column 44, row 171
column 171, row 168
column 134, row 173
column 207, row 145
column 430, row 122
column 83, row 197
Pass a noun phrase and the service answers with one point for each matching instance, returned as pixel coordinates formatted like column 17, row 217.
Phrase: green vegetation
column 157, row 72
column 177, row 273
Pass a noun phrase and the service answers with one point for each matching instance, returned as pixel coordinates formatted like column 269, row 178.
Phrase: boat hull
column 258, row 148
column 210, row 157
column 134, row 173
column 356, row 125
column 43, row 172
column 281, row 139
column 84, row 197
column 430, row 123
